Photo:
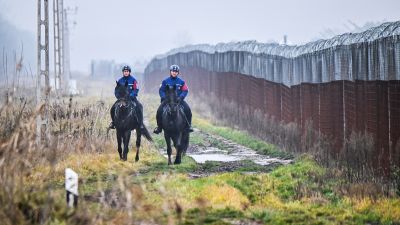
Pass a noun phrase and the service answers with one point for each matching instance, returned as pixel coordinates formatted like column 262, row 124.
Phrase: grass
column 239, row 137
column 274, row 197
column 240, row 166
column 295, row 193
column 150, row 191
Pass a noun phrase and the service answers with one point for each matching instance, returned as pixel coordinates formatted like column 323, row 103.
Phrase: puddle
column 239, row 154
column 202, row 158
column 234, row 153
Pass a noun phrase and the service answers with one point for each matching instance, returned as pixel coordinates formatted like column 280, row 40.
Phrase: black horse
column 125, row 120
column 175, row 125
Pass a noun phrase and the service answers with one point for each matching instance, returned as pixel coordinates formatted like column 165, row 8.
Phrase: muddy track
column 215, row 154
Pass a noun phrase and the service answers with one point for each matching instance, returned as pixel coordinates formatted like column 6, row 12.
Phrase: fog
column 134, row 31
column 16, row 47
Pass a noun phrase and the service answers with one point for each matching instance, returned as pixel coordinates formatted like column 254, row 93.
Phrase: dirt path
column 215, row 154
column 228, row 151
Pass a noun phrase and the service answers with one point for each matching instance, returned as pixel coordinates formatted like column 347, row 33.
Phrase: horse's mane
column 122, row 90
column 171, row 92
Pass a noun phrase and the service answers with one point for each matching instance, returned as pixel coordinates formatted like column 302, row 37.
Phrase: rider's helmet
column 174, row 68
column 126, row 67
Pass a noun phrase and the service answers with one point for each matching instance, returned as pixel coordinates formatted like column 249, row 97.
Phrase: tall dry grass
column 75, row 128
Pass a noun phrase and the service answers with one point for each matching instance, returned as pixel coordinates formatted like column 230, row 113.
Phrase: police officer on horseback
column 133, row 92
column 182, row 91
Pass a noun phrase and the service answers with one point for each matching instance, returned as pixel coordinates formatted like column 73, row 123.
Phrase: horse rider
column 133, row 93
column 182, row 91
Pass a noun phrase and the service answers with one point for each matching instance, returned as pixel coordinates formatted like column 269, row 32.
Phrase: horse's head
column 173, row 118
column 172, row 100
column 172, row 96
column 122, row 90
column 123, row 103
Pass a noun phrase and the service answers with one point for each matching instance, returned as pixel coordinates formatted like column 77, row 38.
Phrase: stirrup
column 111, row 126
column 157, row 130
column 190, row 129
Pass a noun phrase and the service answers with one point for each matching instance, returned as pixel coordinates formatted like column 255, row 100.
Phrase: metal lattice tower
column 43, row 95
column 58, row 44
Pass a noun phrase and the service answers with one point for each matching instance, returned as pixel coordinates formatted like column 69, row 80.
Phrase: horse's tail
column 146, row 134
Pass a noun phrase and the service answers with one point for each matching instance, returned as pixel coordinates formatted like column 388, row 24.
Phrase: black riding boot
column 140, row 116
column 190, row 128
column 188, row 115
column 112, row 125
column 158, row 129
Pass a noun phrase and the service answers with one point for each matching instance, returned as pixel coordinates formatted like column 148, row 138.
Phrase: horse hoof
column 177, row 162
column 137, row 159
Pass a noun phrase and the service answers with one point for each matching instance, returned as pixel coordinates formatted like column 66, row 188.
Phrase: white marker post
column 71, row 186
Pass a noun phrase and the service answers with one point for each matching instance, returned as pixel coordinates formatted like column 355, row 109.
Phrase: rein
column 129, row 105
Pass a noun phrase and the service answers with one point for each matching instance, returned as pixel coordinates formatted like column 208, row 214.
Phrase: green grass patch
column 211, row 216
column 240, row 137
column 238, row 166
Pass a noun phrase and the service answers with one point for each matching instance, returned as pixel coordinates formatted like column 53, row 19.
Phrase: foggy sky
column 131, row 30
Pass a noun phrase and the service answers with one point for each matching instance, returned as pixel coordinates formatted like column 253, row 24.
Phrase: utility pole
column 66, row 51
column 62, row 46
column 42, row 119
column 58, row 45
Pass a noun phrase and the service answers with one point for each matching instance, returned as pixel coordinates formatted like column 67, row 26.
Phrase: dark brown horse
column 175, row 126
column 125, row 120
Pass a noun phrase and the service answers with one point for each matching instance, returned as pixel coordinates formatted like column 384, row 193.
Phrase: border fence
column 345, row 84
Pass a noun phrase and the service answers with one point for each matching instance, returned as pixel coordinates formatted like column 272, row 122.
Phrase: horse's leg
column 169, row 149
column 178, row 149
column 127, row 136
column 179, row 140
column 119, row 140
column 138, row 140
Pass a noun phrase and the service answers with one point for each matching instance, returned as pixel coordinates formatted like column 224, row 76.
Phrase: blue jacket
column 132, row 84
column 181, row 87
